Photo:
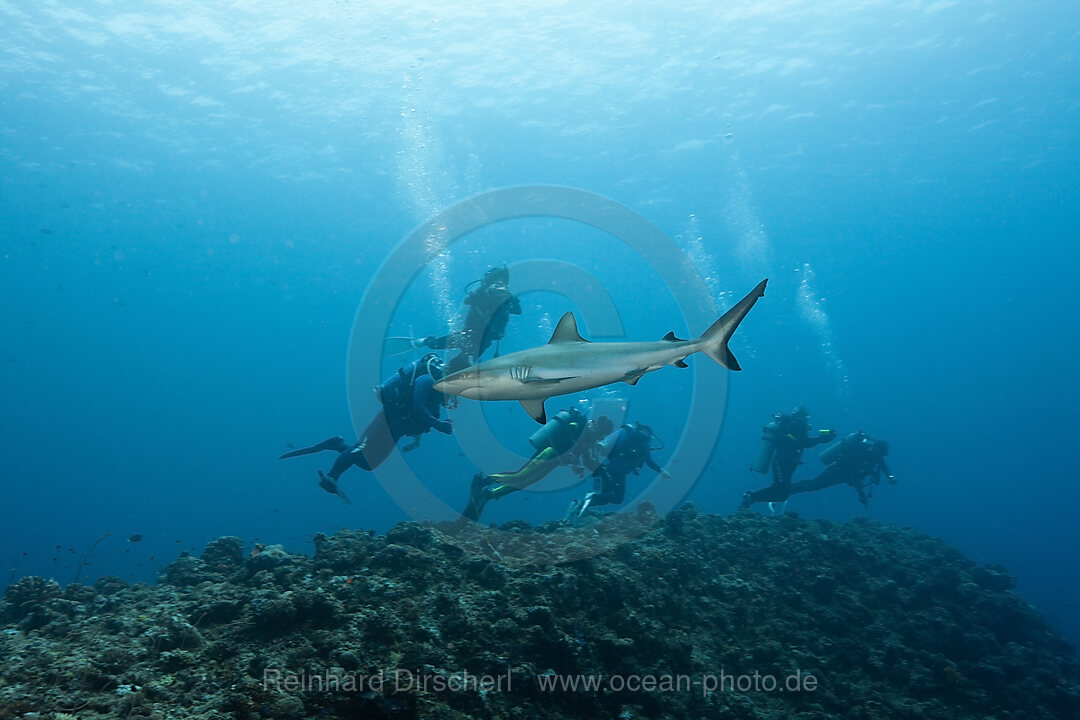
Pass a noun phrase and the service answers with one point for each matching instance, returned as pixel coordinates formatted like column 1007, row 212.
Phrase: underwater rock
column 110, row 585
column 348, row 551
column 887, row 622
column 187, row 570
column 223, row 555
column 270, row 558
column 26, row 598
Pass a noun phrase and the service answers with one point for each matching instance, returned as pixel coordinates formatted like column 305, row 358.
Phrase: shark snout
column 457, row 383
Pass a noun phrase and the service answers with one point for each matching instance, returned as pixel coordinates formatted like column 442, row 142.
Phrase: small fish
column 135, row 538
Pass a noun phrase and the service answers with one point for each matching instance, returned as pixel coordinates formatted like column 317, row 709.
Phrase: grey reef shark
column 569, row 363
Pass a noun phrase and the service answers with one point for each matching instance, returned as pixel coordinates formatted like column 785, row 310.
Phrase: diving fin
column 336, row 443
column 341, row 494
column 571, row 512
column 331, row 486
column 535, row 408
column 585, row 503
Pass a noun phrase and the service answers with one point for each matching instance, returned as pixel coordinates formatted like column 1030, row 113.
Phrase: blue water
column 194, row 197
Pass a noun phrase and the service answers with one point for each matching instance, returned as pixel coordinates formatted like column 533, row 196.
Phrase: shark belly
column 570, row 370
column 540, row 384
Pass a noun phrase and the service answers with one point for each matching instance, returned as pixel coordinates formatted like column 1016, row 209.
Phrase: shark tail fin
column 714, row 341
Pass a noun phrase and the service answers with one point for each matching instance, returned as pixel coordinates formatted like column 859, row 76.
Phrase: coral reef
column 690, row 615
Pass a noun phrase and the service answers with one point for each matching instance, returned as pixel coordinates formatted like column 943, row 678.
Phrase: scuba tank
column 767, row 448
column 397, row 388
column 557, row 433
column 832, row 453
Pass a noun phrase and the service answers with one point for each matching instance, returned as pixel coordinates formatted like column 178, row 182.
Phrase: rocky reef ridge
column 688, row 615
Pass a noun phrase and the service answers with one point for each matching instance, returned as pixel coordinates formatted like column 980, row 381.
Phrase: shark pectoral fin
column 535, row 408
column 680, row 364
column 633, row 376
column 546, row 381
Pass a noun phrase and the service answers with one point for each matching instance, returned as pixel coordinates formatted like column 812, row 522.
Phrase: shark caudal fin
column 714, row 340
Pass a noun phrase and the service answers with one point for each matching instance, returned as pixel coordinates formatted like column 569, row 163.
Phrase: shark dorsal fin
column 670, row 337
column 566, row 331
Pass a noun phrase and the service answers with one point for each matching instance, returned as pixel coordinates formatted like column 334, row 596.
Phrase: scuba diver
column 625, row 451
column 782, row 444
column 569, row 438
column 857, row 460
column 490, row 308
column 410, row 406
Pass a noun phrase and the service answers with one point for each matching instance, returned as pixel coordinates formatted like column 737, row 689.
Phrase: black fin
column 632, row 377
column 681, row 364
column 670, row 337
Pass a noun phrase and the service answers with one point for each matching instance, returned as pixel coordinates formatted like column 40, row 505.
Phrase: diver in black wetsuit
column 410, row 407
column 858, row 460
column 627, row 450
column 490, row 308
column 783, row 442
